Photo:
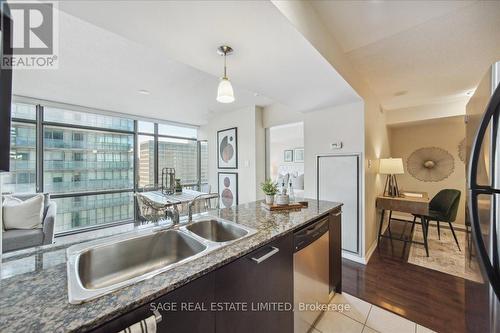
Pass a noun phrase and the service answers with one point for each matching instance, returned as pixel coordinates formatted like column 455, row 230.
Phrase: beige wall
column 425, row 112
column 305, row 19
column 251, row 150
column 445, row 133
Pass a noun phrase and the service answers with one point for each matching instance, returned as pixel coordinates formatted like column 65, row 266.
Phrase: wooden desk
column 412, row 205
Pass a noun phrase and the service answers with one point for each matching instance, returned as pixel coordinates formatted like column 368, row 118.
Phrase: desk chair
column 443, row 208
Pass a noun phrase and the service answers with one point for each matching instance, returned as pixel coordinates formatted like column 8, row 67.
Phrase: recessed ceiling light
column 143, row 92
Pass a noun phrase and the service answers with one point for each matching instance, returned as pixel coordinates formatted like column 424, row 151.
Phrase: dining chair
column 205, row 188
column 443, row 207
column 150, row 187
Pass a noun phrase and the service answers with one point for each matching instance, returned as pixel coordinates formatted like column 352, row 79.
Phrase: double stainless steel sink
column 100, row 267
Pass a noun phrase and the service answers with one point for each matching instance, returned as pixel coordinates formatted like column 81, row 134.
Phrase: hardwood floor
column 428, row 297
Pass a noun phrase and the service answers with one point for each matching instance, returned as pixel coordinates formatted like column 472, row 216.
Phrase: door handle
column 266, row 256
column 489, row 265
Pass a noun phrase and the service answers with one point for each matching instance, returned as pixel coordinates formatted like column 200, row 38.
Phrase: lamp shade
column 225, row 93
column 391, row 166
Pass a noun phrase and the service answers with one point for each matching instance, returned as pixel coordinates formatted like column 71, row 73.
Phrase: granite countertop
column 33, row 288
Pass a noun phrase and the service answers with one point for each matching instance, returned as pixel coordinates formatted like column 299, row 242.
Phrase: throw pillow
column 298, row 182
column 18, row 214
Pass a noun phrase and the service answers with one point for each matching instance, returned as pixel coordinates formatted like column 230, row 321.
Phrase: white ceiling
column 103, row 70
column 416, row 52
column 111, row 49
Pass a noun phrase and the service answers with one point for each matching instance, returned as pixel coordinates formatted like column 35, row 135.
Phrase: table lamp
column 391, row 167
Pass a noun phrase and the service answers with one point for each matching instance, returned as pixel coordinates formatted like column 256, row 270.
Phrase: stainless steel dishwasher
column 311, row 273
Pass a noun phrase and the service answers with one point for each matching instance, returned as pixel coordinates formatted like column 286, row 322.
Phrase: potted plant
column 269, row 188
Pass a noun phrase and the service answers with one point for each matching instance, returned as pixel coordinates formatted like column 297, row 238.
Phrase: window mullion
column 198, row 164
column 136, row 167
column 39, row 149
column 156, row 159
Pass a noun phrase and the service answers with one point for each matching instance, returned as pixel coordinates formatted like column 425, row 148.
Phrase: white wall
column 321, row 128
column 303, row 16
column 251, row 150
column 260, row 152
column 344, row 123
column 278, row 114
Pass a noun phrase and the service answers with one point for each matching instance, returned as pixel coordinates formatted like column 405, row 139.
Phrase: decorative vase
column 282, row 199
column 269, row 199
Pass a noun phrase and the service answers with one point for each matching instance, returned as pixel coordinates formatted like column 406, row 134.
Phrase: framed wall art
column 227, row 148
column 228, row 189
column 288, row 155
column 298, row 155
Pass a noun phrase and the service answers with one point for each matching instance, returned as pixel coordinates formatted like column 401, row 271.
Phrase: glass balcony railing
column 87, row 165
column 91, row 210
column 88, row 185
column 21, row 142
column 20, row 165
column 91, row 146
column 69, row 205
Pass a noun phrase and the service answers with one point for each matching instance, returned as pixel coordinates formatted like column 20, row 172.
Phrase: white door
column 338, row 180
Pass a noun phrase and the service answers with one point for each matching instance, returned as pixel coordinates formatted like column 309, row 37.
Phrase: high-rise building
column 81, row 164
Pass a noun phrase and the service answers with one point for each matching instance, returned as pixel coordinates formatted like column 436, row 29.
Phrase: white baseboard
column 353, row 257
column 362, row 260
column 370, row 251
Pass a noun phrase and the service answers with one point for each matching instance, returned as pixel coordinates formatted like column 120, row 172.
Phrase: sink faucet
column 199, row 197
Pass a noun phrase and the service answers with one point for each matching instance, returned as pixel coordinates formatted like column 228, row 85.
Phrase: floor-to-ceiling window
column 92, row 164
column 204, row 162
column 178, row 149
column 146, row 155
column 88, row 167
column 22, row 177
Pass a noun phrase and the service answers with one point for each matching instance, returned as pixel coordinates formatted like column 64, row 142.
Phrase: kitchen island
column 34, row 293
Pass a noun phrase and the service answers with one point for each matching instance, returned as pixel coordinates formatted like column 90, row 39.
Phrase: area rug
column 444, row 255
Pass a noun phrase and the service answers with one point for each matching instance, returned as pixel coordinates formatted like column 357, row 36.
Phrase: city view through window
column 86, row 161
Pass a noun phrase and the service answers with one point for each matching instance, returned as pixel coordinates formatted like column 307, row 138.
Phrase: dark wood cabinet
column 173, row 307
column 262, row 278
column 336, row 251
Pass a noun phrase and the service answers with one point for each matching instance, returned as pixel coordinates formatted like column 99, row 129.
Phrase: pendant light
column 225, row 93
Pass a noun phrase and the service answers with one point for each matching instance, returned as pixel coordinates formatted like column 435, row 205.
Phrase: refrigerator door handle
column 475, row 190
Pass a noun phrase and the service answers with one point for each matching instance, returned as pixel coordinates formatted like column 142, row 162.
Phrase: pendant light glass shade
column 225, row 93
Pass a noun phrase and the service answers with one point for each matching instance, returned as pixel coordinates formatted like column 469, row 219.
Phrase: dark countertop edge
column 127, row 306
column 144, row 300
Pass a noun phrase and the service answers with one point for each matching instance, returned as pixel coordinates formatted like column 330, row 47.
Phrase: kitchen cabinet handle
column 267, row 255
column 338, row 214
column 158, row 316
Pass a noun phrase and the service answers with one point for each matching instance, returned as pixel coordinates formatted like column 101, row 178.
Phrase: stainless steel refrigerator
column 483, row 184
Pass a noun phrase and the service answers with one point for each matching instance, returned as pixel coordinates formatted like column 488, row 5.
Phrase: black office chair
column 443, row 208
